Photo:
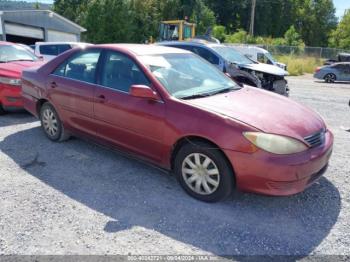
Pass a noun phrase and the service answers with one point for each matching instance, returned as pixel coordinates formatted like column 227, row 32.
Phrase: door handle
column 53, row 84
column 101, row 99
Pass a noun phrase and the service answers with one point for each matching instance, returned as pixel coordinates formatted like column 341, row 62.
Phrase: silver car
column 334, row 72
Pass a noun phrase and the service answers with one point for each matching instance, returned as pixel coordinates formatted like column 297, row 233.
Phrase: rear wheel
column 204, row 172
column 330, row 78
column 51, row 124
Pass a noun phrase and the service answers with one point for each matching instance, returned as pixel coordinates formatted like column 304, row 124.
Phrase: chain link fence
column 317, row 52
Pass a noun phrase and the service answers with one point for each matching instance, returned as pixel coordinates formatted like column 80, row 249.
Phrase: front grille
column 316, row 139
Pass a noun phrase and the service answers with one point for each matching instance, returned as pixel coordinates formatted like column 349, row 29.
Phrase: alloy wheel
column 330, row 78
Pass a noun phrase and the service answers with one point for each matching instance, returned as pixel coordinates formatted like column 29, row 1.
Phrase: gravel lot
column 78, row 198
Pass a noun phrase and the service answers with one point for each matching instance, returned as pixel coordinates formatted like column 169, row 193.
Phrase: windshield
column 231, row 55
column 10, row 53
column 270, row 57
column 186, row 75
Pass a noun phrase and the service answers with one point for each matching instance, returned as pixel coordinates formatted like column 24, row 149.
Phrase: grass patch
column 297, row 65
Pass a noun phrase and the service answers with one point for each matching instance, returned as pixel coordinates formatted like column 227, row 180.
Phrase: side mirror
column 143, row 91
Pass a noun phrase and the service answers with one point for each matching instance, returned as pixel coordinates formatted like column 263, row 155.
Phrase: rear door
column 341, row 72
column 346, row 72
column 134, row 123
column 71, row 89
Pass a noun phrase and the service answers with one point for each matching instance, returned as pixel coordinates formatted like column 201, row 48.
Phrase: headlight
column 275, row 144
column 10, row 81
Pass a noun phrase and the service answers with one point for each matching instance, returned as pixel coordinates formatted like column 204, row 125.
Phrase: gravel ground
column 78, row 198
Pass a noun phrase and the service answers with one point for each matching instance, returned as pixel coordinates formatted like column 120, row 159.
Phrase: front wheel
column 52, row 124
column 204, row 172
column 330, row 78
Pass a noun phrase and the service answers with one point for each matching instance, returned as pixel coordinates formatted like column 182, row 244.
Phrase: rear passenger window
column 81, row 67
column 120, row 72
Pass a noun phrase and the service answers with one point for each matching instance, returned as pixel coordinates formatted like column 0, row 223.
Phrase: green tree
column 315, row 19
column 219, row 32
column 72, row 9
column 108, row 21
column 340, row 37
column 202, row 16
column 292, row 37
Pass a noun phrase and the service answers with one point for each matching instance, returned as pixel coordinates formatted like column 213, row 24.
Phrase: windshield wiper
column 225, row 90
column 221, row 91
column 195, row 96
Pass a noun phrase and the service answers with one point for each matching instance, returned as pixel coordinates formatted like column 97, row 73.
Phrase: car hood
column 263, row 110
column 14, row 69
column 265, row 68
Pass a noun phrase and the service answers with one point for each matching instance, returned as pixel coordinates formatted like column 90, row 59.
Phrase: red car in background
column 173, row 108
column 13, row 59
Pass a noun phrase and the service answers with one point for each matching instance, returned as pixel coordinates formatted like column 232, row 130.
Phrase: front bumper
column 10, row 97
column 280, row 175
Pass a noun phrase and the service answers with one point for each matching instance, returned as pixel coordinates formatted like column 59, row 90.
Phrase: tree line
column 309, row 22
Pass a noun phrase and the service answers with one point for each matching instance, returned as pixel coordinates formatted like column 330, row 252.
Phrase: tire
column 52, row 124
column 197, row 159
column 2, row 110
column 330, row 78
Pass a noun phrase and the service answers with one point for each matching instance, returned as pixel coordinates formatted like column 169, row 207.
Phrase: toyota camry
column 174, row 109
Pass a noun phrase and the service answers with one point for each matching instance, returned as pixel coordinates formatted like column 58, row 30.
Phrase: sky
column 340, row 5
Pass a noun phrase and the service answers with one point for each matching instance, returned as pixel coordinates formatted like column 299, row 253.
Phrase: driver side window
column 120, row 72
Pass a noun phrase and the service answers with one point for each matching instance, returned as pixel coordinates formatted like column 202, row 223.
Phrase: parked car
column 341, row 57
column 27, row 47
column 258, row 54
column 334, row 72
column 49, row 50
column 178, row 111
column 13, row 59
column 240, row 68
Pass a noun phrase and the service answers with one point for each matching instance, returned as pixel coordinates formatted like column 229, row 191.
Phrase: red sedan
column 13, row 59
column 174, row 109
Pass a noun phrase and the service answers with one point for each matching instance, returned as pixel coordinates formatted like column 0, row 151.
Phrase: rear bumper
column 318, row 75
column 278, row 175
column 10, row 97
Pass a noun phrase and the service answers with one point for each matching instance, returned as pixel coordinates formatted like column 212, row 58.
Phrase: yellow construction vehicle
column 177, row 30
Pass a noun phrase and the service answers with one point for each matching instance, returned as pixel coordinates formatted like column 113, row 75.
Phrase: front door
column 134, row 123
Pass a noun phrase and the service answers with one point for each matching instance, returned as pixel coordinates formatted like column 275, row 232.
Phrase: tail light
column 317, row 69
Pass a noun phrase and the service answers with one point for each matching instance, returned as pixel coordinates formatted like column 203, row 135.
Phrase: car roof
column 144, row 49
column 61, row 43
column 6, row 43
column 341, row 63
column 249, row 47
column 190, row 43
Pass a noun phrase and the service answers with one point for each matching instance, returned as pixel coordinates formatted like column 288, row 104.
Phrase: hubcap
column 50, row 122
column 200, row 174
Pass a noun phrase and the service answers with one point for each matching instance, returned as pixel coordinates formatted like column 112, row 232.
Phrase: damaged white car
column 238, row 66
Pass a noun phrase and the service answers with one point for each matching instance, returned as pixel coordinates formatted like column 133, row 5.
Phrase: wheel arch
column 39, row 104
column 193, row 139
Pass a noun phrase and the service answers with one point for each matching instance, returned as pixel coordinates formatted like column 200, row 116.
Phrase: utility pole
column 252, row 18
